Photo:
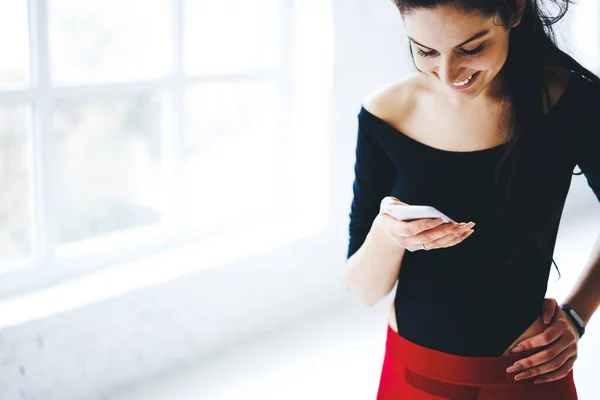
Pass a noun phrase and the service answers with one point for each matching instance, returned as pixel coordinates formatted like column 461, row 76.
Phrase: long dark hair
column 524, row 188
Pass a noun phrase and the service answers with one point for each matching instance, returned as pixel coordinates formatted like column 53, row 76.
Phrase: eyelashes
column 425, row 53
column 476, row 50
column 473, row 52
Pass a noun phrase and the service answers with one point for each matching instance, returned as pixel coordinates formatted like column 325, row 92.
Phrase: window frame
column 44, row 268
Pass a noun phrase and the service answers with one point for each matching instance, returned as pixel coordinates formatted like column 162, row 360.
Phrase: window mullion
column 44, row 233
column 284, row 75
column 175, row 138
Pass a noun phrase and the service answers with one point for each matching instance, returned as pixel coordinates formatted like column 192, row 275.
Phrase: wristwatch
column 576, row 319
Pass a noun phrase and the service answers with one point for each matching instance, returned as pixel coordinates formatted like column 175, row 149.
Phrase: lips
column 468, row 84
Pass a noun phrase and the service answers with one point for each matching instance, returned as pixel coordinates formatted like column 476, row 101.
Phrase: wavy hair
column 523, row 188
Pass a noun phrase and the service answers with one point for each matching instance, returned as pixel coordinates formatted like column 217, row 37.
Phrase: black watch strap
column 576, row 318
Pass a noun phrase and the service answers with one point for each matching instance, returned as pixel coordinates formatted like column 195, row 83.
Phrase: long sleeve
column 375, row 174
column 587, row 146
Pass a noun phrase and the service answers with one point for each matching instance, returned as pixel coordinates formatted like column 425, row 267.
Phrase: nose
column 448, row 71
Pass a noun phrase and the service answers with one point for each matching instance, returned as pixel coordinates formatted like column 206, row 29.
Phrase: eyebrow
column 475, row 36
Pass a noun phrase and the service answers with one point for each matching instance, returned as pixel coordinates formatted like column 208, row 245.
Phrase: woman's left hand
column 557, row 359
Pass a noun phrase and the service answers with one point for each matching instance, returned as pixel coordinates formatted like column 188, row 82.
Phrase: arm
column 373, row 270
column 373, row 260
column 560, row 339
column 585, row 296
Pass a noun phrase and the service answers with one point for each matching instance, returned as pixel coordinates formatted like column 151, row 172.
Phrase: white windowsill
column 151, row 270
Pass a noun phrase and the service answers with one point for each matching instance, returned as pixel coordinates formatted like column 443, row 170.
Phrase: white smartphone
column 409, row 213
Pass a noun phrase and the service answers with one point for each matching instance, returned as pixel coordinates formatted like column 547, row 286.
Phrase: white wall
column 85, row 353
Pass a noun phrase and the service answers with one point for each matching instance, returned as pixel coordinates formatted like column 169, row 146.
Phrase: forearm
column 373, row 270
column 585, row 296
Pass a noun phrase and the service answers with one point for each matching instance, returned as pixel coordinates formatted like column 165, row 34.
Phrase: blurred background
column 175, row 183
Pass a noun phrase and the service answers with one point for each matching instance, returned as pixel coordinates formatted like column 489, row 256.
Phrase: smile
column 463, row 82
column 468, row 82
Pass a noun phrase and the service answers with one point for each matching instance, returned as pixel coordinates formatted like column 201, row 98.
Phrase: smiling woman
column 489, row 130
column 443, row 54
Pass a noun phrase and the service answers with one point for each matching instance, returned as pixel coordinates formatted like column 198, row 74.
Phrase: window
column 128, row 127
column 15, row 180
column 14, row 43
column 108, row 41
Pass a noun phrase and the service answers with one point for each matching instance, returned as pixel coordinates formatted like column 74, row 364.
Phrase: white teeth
column 463, row 82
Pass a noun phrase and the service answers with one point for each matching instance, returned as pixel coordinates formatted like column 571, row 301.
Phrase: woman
column 489, row 130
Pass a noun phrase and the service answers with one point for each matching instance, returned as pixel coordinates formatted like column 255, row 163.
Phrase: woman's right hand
column 421, row 234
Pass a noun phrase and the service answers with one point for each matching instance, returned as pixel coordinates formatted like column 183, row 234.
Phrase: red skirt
column 414, row 372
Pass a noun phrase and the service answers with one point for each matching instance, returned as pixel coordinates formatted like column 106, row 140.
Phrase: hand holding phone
column 420, row 227
column 410, row 213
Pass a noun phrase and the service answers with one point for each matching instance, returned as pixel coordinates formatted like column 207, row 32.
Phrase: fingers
column 414, row 228
column 546, row 361
column 559, row 373
column 446, row 236
column 549, row 367
column 410, row 231
column 434, row 233
column 540, row 357
column 556, row 360
column 552, row 333
column 549, row 307
column 442, row 236
column 388, row 200
column 459, row 237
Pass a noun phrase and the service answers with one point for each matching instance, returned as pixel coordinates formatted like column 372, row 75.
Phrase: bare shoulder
column 393, row 100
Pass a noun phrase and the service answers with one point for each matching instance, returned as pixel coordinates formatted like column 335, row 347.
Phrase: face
column 451, row 45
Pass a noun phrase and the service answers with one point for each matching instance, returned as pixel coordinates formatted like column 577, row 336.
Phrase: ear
column 520, row 9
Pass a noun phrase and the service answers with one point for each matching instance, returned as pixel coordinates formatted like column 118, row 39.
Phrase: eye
column 476, row 50
column 425, row 53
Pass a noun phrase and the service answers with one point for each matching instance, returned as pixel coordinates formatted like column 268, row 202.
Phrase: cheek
column 425, row 64
column 490, row 61
column 494, row 59
column 486, row 63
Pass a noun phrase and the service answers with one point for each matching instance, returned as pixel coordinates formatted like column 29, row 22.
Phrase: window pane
column 228, row 152
column 230, row 36
column 583, row 37
column 14, row 42
column 109, row 40
column 15, row 222
column 106, row 165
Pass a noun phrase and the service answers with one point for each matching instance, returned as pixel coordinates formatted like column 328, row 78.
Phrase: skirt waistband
column 471, row 371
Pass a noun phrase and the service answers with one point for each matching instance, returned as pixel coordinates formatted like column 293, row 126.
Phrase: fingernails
column 523, row 375
column 433, row 223
column 517, row 349
column 514, row 368
column 466, row 225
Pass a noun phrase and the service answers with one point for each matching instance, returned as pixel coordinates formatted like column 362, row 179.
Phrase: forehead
column 445, row 27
